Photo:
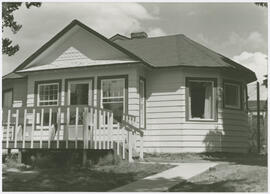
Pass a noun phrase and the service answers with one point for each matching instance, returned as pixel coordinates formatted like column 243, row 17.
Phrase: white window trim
column 47, row 84
column 124, row 94
column 213, row 101
column 86, row 81
column 239, row 96
column 142, row 100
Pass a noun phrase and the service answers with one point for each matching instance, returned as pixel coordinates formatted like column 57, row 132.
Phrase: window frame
column 79, row 80
column 12, row 97
column 99, row 96
column 36, row 96
column 144, row 83
column 239, row 85
column 214, row 99
column 44, row 82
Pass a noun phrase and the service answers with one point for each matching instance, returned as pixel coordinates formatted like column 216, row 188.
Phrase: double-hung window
column 48, row 94
column 201, row 99
column 232, row 95
column 113, row 96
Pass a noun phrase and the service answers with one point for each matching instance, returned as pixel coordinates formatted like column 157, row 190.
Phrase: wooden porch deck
column 61, row 144
column 24, row 128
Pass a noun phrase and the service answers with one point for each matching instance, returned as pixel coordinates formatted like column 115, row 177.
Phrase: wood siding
column 167, row 128
column 19, row 88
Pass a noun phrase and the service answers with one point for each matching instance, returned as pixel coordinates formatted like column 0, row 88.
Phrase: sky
column 236, row 30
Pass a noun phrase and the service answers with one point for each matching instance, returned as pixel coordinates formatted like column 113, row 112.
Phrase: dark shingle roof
column 178, row 50
column 12, row 76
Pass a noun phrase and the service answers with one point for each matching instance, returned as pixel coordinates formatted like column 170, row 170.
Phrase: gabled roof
column 64, row 31
column 179, row 50
column 12, row 75
column 159, row 52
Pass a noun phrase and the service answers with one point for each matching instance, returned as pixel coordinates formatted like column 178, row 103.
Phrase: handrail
column 130, row 120
column 95, row 127
column 72, row 107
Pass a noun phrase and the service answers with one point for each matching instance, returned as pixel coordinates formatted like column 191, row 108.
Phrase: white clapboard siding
column 195, row 132
column 165, row 103
column 165, row 109
column 193, row 149
column 161, row 98
column 194, row 144
column 161, row 115
column 214, row 137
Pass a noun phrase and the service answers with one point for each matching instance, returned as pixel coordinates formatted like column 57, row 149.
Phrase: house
column 168, row 94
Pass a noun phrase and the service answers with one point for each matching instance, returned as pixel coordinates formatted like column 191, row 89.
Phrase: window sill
column 201, row 120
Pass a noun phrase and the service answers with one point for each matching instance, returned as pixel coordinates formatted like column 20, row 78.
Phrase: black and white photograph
column 129, row 96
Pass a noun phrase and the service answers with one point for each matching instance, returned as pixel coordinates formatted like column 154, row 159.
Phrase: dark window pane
column 117, row 109
column 79, row 94
column 201, row 100
column 72, row 119
column 231, row 95
column 46, row 118
column 7, row 99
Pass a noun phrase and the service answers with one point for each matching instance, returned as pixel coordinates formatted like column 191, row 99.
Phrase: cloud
column 191, row 13
column 40, row 24
column 153, row 32
column 252, row 41
column 256, row 61
column 234, row 43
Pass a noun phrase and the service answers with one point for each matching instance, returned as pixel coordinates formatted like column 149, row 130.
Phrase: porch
column 71, row 127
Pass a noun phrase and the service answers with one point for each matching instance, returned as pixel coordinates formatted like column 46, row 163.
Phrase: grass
column 97, row 178
column 235, row 172
column 227, row 178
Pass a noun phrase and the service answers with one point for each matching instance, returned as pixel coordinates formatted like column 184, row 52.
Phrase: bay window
column 201, row 99
column 232, row 95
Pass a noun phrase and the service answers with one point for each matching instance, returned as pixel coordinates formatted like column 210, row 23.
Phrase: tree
column 263, row 4
column 8, row 21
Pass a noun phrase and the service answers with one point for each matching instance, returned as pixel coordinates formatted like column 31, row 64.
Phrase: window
column 113, row 96
column 201, row 98
column 142, row 102
column 232, row 95
column 79, row 93
column 48, row 94
column 7, row 98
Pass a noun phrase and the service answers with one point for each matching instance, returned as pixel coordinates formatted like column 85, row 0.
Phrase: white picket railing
column 70, row 127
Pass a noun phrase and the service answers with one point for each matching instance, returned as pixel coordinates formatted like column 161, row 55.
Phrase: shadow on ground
column 237, row 158
column 221, row 186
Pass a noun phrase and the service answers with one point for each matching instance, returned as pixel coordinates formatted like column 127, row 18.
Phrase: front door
column 80, row 92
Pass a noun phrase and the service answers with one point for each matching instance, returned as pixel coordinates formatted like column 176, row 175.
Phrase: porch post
column 130, row 146
column 141, row 146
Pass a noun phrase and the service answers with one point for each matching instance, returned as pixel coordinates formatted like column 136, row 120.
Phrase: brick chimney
column 138, row 35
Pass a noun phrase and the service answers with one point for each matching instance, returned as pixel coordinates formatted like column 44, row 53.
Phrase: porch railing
column 70, row 127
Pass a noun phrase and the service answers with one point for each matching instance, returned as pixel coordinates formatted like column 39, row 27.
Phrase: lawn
column 235, row 172
column 227, row 177
column 97, row 178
